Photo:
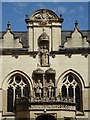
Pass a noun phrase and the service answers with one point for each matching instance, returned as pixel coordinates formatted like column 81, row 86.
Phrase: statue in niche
column 50, row 87
column 44, row 55
column 38, row 89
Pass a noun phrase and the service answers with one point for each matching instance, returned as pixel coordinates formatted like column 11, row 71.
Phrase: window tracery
column 71, row 88
column 17, row 87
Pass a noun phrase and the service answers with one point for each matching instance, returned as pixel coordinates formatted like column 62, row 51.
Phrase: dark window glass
column 70, row 78
column 70, row 91
column 24, row 81
column 18, row 91
column 64, row 91
column 17, row 79
column 26, row 91
column 77, row 98
column 10, row 99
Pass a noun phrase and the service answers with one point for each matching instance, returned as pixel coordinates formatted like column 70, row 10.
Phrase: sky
column 15, row 13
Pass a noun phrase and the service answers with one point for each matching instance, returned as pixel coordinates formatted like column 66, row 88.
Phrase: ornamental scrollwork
column 43, row 17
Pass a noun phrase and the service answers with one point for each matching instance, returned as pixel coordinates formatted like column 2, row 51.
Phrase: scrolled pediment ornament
column 43, row 16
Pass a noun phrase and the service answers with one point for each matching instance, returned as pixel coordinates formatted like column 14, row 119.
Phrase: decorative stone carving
column 38, row 71
column 38, row 89
column 43, row 16
column 60, row 106
column 50, row 71
column 44, row 56
column 50, row 89
column 43, row 36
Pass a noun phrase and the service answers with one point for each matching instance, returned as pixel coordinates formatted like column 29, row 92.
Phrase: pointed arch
column 7, row 78
column 71, row 84
column 75, row 73
column 15, row 83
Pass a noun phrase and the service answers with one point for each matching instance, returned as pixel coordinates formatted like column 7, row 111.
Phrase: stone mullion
column 55, row 89
column 13, row 95
column 67, row 86
column 14, row 87
column 21, row 91
column 74, row 86
column 67, row 91
column 74, row 92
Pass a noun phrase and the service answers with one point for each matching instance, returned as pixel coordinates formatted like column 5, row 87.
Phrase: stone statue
column 50, row 87
column 38, row 89
column 44, row 55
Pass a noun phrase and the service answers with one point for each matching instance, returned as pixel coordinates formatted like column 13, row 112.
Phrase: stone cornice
column 24, row 51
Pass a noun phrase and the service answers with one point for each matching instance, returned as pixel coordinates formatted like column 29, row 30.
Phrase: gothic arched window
column 72, row 88
column 17, row 86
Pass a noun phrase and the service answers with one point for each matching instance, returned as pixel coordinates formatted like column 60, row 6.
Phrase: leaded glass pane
column 70, row 90
column 10, row 99
column 70, row 78
column 64, row 91
column 18, row 91
column 77, row 97
column 17, row 79
column 26, row 91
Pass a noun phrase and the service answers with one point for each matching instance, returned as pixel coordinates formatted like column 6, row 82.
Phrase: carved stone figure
column 38, row 89
column 50, row 87
column 44, row 55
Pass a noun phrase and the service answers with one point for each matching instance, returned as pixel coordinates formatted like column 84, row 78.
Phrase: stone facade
column 44, row 74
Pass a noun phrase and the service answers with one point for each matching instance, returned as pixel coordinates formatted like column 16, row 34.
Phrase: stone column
column 44, row 87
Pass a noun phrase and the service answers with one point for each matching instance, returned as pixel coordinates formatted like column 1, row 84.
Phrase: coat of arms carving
column 43, row 17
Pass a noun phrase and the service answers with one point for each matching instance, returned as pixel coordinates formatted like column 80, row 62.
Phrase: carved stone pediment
column 50, row 71
column 44, row 16
column 38, row 71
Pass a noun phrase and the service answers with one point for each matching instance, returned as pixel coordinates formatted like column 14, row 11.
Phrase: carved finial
column 61, row 18
column 60, row 15
column 8, row 26
column 76, row 24
column 26, row 16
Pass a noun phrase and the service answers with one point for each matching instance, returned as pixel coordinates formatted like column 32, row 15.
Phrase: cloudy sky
column 15, row 13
